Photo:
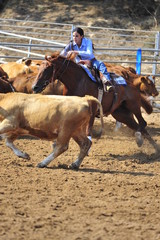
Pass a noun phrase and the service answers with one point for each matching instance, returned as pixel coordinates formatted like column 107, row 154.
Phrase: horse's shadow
column 141, row 158
column 153, row 131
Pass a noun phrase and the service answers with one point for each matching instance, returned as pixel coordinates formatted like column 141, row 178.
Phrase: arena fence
column 35, row 39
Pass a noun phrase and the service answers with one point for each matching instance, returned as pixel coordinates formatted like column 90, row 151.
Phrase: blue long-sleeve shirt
column 85, row 51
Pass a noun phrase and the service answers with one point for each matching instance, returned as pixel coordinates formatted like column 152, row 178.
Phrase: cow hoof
column 41, row 165
column 139, row 139
column 73, row 166
column 24, row 155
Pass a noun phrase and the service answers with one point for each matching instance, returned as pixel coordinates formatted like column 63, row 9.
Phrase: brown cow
column 49, row 118
column 23, row 66
column 145, row 84
column 24, row 80
column 14, row 68
column 23, row 83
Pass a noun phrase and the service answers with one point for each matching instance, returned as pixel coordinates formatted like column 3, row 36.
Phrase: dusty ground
column 114, row 195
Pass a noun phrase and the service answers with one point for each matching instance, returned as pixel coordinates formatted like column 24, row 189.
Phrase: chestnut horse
column 123, row 103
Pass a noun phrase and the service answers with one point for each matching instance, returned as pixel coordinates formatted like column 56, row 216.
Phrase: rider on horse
column 83, row 49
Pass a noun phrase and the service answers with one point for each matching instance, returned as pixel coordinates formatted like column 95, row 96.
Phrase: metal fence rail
column 35, row 39
column 111, row 45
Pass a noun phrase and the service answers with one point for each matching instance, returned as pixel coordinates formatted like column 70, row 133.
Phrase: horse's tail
column 91, row 101
column 146, row 104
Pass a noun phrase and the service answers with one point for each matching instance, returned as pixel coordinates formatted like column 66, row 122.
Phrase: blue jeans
column 102, row 68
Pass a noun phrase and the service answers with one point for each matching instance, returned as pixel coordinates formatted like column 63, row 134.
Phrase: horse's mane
column 71, row 61
column 55, row 54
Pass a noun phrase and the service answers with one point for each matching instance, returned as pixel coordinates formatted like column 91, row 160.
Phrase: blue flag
column 138, row 61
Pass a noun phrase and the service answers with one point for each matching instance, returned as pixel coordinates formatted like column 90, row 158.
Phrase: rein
column 13, row 90
column 54, row 71
column 63, row 70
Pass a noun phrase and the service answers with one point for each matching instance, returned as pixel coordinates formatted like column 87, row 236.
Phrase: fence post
column 138, row 61
column 156, row 53
column 29, row 48
column 72, row 32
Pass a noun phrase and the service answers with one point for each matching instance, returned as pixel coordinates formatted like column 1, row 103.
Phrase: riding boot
column 107, row 84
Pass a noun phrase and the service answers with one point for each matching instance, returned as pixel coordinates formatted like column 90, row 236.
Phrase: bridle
column 59, row 72
column 10, row 84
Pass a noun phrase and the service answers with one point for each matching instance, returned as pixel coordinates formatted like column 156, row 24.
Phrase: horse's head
column 5, row 86
column 45, row 75
column 147, row 86
column 3, row 74
column 51, row 68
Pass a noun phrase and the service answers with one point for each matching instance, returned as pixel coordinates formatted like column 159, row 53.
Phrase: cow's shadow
column 93, row 170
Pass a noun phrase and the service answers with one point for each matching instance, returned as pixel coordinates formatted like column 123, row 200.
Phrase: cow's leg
column 84, row 144
column 9, row 143
column 6, row 127
column 59, row 148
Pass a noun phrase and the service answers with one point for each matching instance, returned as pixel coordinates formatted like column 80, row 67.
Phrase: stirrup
column 108, row 88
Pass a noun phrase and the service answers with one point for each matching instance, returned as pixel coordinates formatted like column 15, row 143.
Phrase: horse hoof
column 139, row 139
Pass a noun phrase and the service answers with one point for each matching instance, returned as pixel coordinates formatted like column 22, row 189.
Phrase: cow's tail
column 146, row 104
column 92, row 100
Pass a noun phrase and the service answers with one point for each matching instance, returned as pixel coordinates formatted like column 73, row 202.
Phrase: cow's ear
column 28, row 62
column 151, row 78
column 143, row 79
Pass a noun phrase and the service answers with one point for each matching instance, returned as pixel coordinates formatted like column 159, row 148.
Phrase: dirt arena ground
column 115, row 194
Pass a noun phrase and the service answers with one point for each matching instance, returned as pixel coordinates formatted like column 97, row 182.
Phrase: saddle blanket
column 118, row 79
column 88, row 72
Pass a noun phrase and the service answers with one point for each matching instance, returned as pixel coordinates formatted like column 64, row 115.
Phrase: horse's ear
column 55, row 54
column 72, row 56
column 48, row 58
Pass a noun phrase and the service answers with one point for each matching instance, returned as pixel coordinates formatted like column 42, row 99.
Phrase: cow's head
column 148, row 87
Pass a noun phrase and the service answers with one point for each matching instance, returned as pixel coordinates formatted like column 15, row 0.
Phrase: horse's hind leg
column 151, row 141
column 125, row 116
column 134, row 108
